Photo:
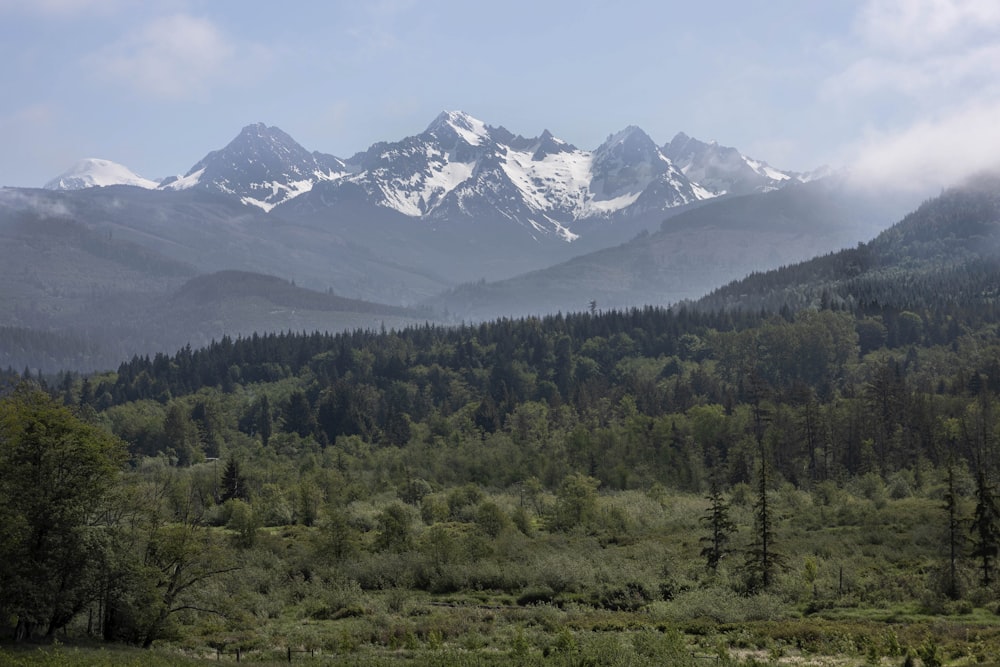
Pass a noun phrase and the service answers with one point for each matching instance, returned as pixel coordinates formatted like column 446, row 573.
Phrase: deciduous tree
column 55, row 473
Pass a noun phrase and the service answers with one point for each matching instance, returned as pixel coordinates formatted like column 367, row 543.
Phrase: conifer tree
column 233, row 482
column 954, row 530
column 986, row 527
column 719, row 526
column 762, row 561
column 264, row 420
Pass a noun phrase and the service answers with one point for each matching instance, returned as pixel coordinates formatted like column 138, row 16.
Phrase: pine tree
column 233, row 482
column 719, row 525
column 762, row 561
column 299, row 416
column 264, row 420
column 86, row 393
column 954, row 531
column 986, row 527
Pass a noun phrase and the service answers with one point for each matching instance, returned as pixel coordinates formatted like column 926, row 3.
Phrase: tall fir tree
column 720, row 527
column 233, row 482
column 986, row 527
column 951, row 507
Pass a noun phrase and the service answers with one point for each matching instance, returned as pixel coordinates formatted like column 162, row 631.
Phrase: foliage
column 553, row 487
column 56, row 475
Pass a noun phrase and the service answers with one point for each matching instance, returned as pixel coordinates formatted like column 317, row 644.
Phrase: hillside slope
column 946, row 251
column 692, row 253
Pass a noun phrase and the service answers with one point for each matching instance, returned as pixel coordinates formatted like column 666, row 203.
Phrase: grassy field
column 859, row 587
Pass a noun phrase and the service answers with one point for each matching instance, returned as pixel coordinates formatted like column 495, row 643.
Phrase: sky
column 906, row 91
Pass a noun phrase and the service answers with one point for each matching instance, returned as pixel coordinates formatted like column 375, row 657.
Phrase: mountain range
column 462, row 221
column 459, row 167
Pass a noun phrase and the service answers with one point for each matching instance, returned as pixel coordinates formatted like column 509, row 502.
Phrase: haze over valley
column 461, row 222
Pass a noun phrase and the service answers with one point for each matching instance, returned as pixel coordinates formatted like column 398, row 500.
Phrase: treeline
column 630, row 398
column 271, row 357
column 45, row 351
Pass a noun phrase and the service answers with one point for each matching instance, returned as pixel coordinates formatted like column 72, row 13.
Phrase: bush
column 394, row 533
column 630, row 597
column 243, row 521
column 576, row 502
column 721, row 605
column 491, row 519
column 532, row 596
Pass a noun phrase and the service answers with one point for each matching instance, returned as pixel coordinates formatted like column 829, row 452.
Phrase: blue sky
column 903, row 87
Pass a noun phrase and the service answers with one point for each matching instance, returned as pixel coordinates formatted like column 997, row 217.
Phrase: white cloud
column 175, row 57
column 920, row 26
column 19, row 200
column 921, row 49
column 930, row 76
column 931, row 154
column 928, row 73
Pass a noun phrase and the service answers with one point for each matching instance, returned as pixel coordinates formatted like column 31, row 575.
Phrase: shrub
column 491, row 519
column 532, row 596
column 394, row 532
column 243, row 521
column 721, row 605
column 576, row 502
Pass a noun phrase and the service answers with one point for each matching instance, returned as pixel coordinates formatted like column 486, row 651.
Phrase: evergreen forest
column 801, row 468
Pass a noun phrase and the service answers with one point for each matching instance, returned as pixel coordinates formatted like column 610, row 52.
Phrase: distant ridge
column 230, row 285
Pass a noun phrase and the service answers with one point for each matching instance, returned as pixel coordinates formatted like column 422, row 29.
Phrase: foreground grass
column 90, row 655
column 547, row 635
column 861, row 587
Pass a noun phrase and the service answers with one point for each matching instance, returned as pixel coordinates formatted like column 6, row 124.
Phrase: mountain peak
column 631, row 134
column 471, row 130
column 96, row 172
column 256, row 130
column 723, row 169
column 262, row 165
column 548, row 144
column 631, row 145
column 259, row 137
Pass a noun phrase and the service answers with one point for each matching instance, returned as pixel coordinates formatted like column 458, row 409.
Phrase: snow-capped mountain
column 95, row 172
column 630, row 172
column 461, row 169
column 724, row 170
column 262, row 166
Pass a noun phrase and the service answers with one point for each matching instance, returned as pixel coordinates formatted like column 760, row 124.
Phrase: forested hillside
column 945, row 252
column 653, row 484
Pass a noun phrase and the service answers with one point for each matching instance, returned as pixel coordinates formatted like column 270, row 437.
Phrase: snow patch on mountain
column 421, row 193
column 183, row 182
column 472, row 130
column 557, row 182
column 278, row 192
column 98, row 173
